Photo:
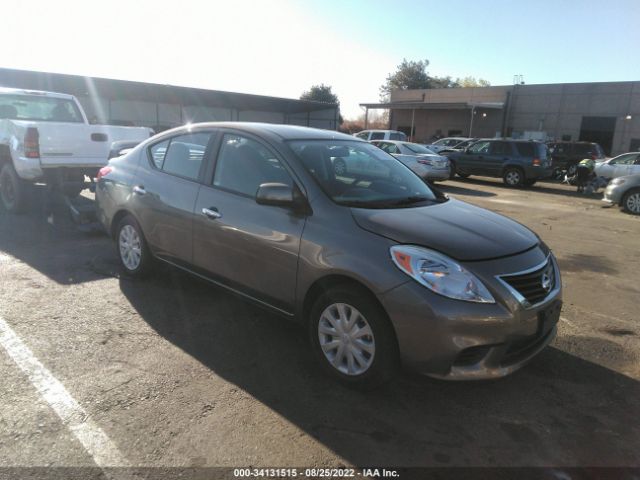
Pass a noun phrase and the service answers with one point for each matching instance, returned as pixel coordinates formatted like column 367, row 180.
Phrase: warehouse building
column 119, row 102
column 603, row 112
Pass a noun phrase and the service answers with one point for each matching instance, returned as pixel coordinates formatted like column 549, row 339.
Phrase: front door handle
column 139, row 190
column 211, row 213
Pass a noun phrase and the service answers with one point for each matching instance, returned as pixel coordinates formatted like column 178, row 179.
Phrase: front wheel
column 631, row 202
column 352, row 337
column 513, row 177
column 13, row 191
column 133, row 252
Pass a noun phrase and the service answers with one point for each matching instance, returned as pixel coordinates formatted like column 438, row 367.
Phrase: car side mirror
column 277, row 194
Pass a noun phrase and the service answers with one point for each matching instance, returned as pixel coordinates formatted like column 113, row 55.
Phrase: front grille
column 532, row 285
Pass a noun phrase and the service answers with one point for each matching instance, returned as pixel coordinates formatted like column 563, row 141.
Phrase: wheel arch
column 339, row 280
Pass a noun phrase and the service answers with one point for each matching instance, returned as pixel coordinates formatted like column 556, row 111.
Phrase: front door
column 249, row 247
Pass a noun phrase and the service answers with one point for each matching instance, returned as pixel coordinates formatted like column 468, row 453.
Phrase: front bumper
column 459, row 340
column 612, row 195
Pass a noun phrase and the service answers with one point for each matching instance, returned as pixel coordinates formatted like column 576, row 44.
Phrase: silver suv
column 380, row 268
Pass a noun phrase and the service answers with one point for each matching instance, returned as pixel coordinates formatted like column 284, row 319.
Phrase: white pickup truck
column 46, row 137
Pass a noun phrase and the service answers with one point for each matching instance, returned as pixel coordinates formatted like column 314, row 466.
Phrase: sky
column 283, row 47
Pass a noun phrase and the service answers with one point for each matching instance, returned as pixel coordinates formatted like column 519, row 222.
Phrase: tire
column 513, row 177
column 631, row 201
column 572, row 170
column 339, row 167
column 529, row 183
column 377, row 357
column 13, row 190
column 132, row 249
column 452, row 170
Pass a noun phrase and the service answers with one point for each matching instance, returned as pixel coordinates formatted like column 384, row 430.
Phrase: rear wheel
column 572, row 170
column 352, row 337
column 13, row 190
column 631, row 202
column 133, row 252
column 513, row 177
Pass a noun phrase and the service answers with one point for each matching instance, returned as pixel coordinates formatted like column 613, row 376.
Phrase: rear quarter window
column 377, row 135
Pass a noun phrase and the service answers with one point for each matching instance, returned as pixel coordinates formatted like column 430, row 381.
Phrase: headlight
column 440, row 274
column 617, row 181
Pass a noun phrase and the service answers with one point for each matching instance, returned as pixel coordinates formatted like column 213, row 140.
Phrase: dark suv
column 518, row 162
column 567, row 155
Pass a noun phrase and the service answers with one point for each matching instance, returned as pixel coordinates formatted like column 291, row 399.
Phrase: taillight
column 536, row 162
column 103, row 171
column 32, row 143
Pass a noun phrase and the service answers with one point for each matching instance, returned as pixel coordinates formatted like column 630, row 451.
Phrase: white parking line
column 73, row 416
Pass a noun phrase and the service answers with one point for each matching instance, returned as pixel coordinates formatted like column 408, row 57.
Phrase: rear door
column 500, row 154
column 249, row 247
column 165, row 192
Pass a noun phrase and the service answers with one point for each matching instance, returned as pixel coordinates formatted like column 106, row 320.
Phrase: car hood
column 458, row 229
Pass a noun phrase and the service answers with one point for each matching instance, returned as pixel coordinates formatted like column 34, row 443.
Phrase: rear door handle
column 139, row 190
column 211, row 213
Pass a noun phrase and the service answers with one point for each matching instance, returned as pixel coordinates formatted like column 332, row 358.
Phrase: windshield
column 417, row 148
column 359, row 174
column 39, row 108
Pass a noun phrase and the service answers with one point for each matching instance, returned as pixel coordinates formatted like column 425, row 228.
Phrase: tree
column 412, row 75
column 472, row 82
column 322, row 93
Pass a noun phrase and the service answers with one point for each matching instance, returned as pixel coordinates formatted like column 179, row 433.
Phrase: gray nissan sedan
column 380, row 268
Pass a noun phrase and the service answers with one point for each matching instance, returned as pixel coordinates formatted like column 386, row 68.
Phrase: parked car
column 422, row 161
column 445, row 143
column 46, row 137
column 458, row 147
column 567, row 155
column 625, row 164
column 624, row 191
column 369, row 135
column 517, row 162
column 380, row 268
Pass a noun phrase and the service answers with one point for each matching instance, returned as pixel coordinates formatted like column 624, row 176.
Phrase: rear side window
column 377, row 135
column 181, row 155
column 500, row 148
column 526, row 149
column 397, row 136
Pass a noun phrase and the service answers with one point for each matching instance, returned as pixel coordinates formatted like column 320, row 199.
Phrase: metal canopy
column 432, row 106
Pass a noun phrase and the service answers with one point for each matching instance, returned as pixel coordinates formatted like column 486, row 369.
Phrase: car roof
column 21, row 91
column 285, row 132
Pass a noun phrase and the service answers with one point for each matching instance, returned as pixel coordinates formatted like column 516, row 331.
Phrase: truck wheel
column 513, row 177
column 12, row 190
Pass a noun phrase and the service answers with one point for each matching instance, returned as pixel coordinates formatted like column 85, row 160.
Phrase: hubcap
column 633, row 203
column 513, row 178
column 346, row 339
column 130, row 247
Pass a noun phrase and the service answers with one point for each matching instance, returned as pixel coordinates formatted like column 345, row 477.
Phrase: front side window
column 181, row 155
column 626, row 159
column 389, row 147
column 39, row 108
column 366, row 178
column 480, row 147
column 244, row 164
